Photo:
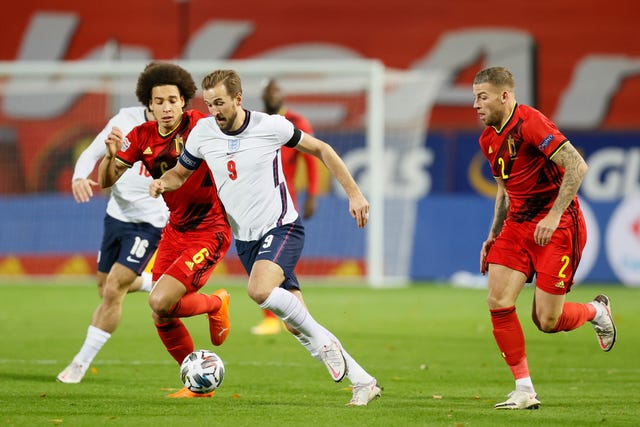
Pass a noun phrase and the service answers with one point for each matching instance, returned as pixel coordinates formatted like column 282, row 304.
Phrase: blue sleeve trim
column 189, row 161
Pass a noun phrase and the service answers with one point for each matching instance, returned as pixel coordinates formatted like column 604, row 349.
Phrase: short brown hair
column 497, row 76
column 229, row 78
column 160, row 74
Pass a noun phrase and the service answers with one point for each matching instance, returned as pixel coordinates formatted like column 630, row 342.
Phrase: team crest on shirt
column 179, row 142
column 512, row 146
column 233, row 145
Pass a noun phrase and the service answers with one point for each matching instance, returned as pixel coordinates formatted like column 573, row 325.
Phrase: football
column 202, row 371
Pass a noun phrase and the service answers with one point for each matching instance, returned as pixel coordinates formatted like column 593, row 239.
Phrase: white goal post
column 354, row 99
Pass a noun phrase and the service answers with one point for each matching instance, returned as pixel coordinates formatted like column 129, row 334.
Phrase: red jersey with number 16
column 520, row 154
column 195, row 205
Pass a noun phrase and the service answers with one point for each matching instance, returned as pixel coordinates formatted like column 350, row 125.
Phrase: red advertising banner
column 557, row 44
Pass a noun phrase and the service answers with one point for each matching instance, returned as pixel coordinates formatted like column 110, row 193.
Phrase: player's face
column 223, row 107
column 272, row 98
column 488, row 102
column 166, row 105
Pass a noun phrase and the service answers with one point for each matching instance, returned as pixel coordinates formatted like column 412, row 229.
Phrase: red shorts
column 554, row 264
column 191, row 256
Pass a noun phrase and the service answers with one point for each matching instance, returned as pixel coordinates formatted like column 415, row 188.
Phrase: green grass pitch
column 430, row 346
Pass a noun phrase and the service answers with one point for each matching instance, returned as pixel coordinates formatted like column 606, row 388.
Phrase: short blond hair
column 497, row 76
column 229, row 78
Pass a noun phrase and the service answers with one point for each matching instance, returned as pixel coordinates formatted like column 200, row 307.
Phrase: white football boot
column 73, row 373
column 519, row 400
column 332, row 357
column 365, row 393
column 603, row 323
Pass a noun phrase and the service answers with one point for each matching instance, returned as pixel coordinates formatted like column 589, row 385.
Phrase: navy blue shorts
column 128, row 243
column 282, row 245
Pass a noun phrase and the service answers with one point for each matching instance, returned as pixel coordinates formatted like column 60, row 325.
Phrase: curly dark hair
column 160, row 74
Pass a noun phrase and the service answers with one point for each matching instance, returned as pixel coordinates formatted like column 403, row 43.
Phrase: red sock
column 176, row 339
column 510, row 339
column 269, row 313
column 193, row 304
column 574, row 315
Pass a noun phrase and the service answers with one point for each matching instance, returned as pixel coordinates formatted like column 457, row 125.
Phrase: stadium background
column 578, row 62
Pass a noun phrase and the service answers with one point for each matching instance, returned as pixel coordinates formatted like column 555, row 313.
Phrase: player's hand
column 156, row 188
column 310, row 205
column 81, row 189
column 359, row 208
column 486, row 245
column 114, row 141
column 545, row 228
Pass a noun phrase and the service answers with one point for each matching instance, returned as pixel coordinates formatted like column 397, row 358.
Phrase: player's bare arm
column 575, row 169
column 311, row 201
column 500, row 209
column 499, row 215
column 110, row 170
column 310, row 206
column 358, row 204
column 169, row 181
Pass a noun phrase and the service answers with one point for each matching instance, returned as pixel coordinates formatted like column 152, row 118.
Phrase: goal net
column 373, row 117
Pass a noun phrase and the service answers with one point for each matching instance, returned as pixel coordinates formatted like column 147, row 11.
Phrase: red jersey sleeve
column 130, row 151
column 542, row 132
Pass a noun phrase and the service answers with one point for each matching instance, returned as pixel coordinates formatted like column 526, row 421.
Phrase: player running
column 198, row 235
column 538, row 227
column 242, row 148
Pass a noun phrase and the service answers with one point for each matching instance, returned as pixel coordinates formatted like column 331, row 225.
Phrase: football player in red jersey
column 538, row 227
column 273, row 100
column 198, row 235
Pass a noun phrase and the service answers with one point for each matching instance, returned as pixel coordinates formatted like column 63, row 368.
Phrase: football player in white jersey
column 242, row 149
column 132, row 228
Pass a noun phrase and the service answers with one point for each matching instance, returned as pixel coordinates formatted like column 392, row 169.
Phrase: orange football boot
column 219, row 323
column 185, row 393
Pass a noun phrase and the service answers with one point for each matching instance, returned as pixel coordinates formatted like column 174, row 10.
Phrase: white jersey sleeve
column 129, row 200
column 247, row 169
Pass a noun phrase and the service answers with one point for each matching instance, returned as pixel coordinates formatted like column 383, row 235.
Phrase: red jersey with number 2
column 520, row 154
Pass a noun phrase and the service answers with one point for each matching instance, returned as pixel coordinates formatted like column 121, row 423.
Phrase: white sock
column 304, row 340
column 525, row 384
column 287, row 307
column 599, row 311
column 94, row 341
column 355, row 373
column 147, row 282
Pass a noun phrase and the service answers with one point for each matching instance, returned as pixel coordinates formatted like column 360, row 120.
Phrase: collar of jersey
column 498, row 131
